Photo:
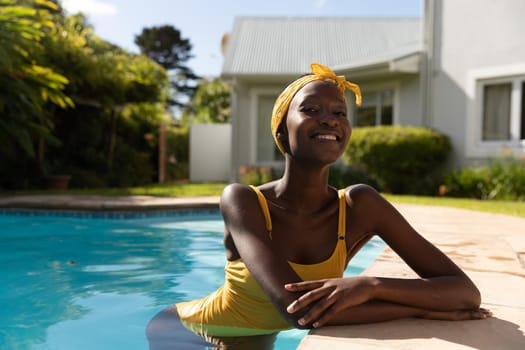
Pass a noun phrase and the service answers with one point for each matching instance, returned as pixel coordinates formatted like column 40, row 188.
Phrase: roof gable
column 287, row 45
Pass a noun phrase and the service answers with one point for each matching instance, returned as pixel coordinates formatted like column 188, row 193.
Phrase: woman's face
column 317, row 126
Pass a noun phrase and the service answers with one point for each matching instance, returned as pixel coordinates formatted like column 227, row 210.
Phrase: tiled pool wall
column 110, row 214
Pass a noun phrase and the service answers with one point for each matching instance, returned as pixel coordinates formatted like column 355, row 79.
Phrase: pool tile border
column 110, row 214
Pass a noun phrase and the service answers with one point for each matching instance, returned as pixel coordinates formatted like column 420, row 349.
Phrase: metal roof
column 287, row 45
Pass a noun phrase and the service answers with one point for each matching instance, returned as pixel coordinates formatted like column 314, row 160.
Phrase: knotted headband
column 319, row 72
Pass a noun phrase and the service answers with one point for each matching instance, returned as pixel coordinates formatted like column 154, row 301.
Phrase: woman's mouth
column 329, row 137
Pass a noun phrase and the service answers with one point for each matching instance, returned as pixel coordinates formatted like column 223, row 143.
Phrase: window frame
column 475, row 146
column 377, row 89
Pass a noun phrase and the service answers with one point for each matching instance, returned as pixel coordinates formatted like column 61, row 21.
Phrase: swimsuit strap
column 265, row 210
column 341, row 228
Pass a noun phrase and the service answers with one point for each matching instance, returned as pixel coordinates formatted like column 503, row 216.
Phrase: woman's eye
column 340, row 114
column 309, row 109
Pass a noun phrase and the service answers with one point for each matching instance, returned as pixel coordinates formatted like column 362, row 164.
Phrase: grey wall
column 469, row 36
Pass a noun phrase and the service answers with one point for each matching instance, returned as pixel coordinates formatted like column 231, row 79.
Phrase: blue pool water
column 94, row 281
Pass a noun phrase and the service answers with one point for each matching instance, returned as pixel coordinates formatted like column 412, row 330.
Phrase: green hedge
column 343, row 176
column 501, row 179
column 403, row 159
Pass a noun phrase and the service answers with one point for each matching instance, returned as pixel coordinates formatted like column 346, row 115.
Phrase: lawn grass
column 160, row 190
column 492, row 206
column 215, row 189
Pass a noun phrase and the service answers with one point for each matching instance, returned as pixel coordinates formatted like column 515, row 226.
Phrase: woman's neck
column 303, row 190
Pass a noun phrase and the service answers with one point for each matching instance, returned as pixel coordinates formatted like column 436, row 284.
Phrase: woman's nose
column 328, row 119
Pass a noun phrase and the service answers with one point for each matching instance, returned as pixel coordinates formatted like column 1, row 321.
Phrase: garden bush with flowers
column 502, row 179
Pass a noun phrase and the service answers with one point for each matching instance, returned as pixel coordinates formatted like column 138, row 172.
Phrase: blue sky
column 205, row 21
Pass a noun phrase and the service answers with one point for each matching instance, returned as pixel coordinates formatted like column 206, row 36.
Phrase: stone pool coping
column 489, row 247
column 491, row 250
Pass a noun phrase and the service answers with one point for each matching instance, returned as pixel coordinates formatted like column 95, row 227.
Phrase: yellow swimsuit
column 240, row 307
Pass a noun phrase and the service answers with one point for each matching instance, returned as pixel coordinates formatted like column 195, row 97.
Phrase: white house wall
column 471, row 36
column 407, row 102
column 210, row 152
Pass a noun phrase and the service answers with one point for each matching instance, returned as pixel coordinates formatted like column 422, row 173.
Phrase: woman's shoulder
column 235, row 189
column 236, row 192
column 237, row 195
column 362, row 194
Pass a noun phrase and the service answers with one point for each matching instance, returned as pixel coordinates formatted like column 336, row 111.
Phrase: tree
column 27, row 83
column 101, row 135
column 211, row 103
column 167, row 47
column 115, row 99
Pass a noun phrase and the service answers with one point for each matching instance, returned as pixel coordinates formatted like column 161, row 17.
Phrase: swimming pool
column 94, row 280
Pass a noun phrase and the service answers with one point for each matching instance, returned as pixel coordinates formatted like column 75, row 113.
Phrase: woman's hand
column 327, row 297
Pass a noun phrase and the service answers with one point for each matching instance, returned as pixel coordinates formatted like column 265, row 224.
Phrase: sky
column 204, row 22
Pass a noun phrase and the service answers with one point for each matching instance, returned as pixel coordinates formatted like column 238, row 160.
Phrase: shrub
column 255, row 175
column 130, row 167
column 343, row 176
column 403, row 159
column 501, row 179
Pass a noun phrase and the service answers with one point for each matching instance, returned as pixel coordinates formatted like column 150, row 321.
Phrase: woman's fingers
column 302, row 286
column 323, row 309
column 317, row 313
column 326, row 315
column 313, row 289
column 306, row 299
column 483, row 313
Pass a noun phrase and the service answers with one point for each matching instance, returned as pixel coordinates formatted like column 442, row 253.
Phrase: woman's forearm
column 380, row 311
column 439, row 293
column 374, row 311
column 325, row 299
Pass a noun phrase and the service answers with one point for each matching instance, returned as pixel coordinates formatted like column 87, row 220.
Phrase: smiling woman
column 289, row 241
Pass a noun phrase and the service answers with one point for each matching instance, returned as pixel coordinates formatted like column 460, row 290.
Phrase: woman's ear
column 281, row 136
column 282, row 133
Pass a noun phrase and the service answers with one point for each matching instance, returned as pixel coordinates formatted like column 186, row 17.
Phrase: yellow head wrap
column 319, row 72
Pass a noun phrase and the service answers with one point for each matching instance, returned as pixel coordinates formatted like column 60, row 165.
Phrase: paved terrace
column 489, row 247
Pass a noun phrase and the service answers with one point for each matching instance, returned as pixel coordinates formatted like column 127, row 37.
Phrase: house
column 460, row 69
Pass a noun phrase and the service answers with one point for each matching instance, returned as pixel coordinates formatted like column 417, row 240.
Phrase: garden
column 75, row 107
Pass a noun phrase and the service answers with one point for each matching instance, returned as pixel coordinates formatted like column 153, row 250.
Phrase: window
column 503, row 110
column 376, row 109
column 267, row 150
column 496, row 112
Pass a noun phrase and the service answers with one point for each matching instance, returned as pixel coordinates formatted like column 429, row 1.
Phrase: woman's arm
column 244, row 221
column 351, row 300
column 442, row 287
column 379, row 311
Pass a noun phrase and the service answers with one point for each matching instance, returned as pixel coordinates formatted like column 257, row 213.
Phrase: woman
column 288, row 241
